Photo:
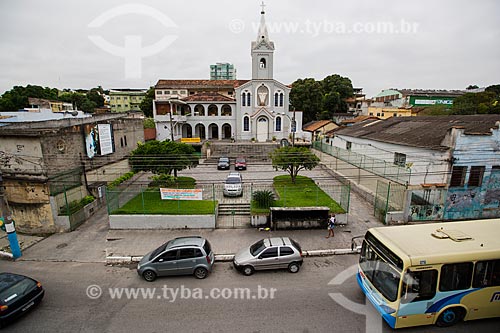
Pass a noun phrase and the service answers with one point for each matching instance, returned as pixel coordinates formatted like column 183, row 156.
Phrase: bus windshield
column 381, row 267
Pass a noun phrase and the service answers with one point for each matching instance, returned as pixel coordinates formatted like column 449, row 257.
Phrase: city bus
column 438, row 273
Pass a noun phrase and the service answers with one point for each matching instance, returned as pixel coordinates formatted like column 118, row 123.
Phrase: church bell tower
column 262, row 52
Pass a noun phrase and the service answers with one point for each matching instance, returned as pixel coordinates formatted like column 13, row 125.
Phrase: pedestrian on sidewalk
column 331, row 225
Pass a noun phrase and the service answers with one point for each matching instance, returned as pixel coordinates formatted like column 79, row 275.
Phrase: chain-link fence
column 390, row 197
column 144, row 200
column 378, row 167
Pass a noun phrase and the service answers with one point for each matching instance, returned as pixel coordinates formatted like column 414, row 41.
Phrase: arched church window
column 278, row 124
column 281, row 99
column 262, row 63
column 249, row 99
column 246, row 124
column 243, row 99
column 275, row 99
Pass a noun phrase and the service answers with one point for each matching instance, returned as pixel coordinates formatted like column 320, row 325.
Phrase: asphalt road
column 299, row 303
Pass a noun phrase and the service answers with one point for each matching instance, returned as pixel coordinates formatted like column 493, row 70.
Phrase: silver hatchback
column 180, row 256
column 269, row 253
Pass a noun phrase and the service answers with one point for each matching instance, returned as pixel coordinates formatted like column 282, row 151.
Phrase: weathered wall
column 161, row 221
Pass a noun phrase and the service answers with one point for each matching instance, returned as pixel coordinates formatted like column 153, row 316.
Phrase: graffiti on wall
column 463, row 203
column 426, row 212
column 492, row 194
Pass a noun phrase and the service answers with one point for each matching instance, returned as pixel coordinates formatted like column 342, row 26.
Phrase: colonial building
column 256, row 109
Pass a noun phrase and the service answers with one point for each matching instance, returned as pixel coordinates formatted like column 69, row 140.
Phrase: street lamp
column 293, row 124
column 175, row 101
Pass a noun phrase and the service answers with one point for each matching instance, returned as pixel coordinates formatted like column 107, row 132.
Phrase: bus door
column 418, row 293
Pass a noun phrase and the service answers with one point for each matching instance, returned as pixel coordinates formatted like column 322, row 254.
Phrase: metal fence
column 389, row 197
column 378, row 167
column 137, row 199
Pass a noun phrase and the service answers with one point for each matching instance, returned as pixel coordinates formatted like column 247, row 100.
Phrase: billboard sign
column 181, row 194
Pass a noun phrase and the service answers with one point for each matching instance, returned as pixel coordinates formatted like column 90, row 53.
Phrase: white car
column 233, row 187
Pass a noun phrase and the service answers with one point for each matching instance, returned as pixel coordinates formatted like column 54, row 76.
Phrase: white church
column 240, row 110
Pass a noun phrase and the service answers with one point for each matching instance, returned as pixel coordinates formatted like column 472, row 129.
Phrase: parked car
column 240, row 164
column 269, row 253
column 233, row 187
column 191, row 255
column 18, row 294
column 223, row 163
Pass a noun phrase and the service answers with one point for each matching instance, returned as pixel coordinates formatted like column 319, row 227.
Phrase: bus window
column 486, row 274
column 455, row 276
column 419, row 286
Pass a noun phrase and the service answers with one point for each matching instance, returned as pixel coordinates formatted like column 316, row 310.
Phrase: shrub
column 162, row 180
column 264, row 198
column 121, row 179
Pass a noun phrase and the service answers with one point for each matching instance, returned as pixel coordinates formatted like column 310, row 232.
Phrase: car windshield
column 20, row 288
column 158, row 250
column 233, row 180
column 257, row 248
column 223, row 160
column 240, row 160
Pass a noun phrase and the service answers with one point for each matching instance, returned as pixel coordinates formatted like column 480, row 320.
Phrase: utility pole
column 8, row 223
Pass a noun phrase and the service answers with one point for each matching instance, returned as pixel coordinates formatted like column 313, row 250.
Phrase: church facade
column 256, row 109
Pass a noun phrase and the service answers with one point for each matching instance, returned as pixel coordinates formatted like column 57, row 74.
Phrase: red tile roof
column 208, row 96
column 168, row 84
column 314, row 126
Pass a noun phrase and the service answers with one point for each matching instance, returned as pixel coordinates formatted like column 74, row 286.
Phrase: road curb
column 6, row 255
column 124, row 260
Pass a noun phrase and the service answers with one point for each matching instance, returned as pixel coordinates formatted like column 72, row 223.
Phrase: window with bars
column 400, row 159
column 458, row 176
column 476, row 175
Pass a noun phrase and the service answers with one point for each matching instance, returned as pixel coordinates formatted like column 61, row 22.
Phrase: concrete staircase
column 240, row 219
column 253, row 152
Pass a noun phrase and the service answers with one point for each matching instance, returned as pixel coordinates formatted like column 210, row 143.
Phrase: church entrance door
column 262, row 129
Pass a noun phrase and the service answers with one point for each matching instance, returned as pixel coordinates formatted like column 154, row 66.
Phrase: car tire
column 149, row 275
column 293, row 267
column 200, row 273
column 248, row 270
column 450, row 317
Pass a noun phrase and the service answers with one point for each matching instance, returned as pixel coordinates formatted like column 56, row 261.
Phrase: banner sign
column 181, row 194
column 186, row 140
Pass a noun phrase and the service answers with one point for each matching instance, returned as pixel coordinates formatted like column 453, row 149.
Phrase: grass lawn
column 304, row 193
column 153, row 204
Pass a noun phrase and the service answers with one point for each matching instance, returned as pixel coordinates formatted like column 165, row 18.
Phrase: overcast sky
column 446, row 44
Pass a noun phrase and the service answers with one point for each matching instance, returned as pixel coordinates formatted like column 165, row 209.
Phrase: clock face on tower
column 263, row 95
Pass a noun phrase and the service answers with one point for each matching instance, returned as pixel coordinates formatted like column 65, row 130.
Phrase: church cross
column 262, row 5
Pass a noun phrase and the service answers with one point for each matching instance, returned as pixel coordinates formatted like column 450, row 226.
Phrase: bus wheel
column 450, row 317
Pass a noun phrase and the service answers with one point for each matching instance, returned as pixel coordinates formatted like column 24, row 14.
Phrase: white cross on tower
column 262, row 5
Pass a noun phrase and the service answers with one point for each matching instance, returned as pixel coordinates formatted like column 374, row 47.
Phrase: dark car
column 18, row 294
column 223, row 163
column 240, row 164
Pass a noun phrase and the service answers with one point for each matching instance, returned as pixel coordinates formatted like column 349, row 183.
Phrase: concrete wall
column 162, row 222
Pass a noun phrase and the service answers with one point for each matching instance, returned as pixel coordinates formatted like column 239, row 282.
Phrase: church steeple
column 262, row 33
column 262, row 51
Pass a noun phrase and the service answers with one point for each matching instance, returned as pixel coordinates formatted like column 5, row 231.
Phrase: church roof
column 169, row 84
column 208, row 96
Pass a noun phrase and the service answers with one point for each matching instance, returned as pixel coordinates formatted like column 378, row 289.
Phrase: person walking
column 331, row 225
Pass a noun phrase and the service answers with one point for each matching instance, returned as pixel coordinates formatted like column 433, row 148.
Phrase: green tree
column 435, row 110
column 163, row 157
column 336, row 89
column 293, row 160
column 475, row 103
column 17, row 97
column 96, row 95
column 306, row 95
column 147, row 103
